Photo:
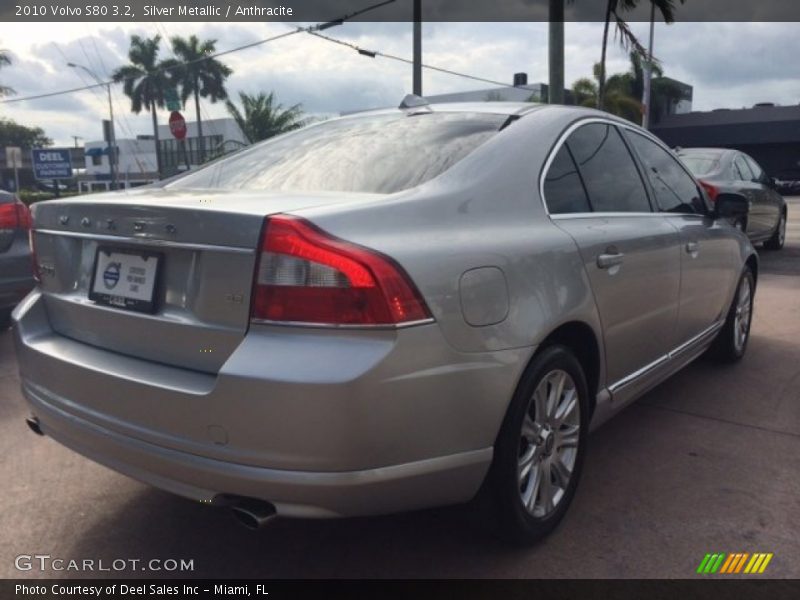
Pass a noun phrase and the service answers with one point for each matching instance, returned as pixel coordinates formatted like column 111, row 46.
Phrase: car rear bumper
column 394, row 425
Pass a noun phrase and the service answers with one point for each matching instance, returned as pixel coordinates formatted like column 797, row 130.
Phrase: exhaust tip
column 33, row 425
column 253, row 513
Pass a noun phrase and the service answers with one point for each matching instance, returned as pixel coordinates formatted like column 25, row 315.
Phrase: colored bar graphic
column 741, row 562
column 753, row 560
column 726, row 565
column 703, row 563
column 766, row 562
column 720, row 562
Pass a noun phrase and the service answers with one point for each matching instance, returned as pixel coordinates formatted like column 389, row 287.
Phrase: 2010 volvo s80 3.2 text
column 392, row 310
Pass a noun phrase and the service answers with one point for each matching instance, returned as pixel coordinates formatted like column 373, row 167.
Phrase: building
column 220, row 136
column 669, row 97
column 137, row 157
column 768, row 133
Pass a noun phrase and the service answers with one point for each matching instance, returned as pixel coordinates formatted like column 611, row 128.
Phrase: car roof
column 511, row 109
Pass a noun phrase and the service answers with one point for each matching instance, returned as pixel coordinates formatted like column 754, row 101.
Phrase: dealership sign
column 51, row 163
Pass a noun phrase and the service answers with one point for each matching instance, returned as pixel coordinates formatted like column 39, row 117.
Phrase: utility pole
column 112, row 141
column 648, row 69
column 556, row 52
column 76, row 138
column 417, row 69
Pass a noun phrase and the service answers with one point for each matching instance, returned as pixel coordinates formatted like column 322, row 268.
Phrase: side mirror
column 729, row 205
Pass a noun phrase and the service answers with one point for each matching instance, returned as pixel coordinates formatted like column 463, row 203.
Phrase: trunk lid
column 207, row 246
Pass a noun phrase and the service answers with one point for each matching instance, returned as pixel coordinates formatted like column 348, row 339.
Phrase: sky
column 730, row 65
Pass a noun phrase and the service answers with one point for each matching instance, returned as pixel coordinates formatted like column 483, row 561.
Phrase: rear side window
column 608, row 170
column 383, row 153
column 758, row 172
column 700, row 165
column 744, row 172
column 675, row 191
column 563, row 189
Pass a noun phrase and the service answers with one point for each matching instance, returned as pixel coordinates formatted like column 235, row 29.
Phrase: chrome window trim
column 662, row 360
column 585, row 215
column 146, row 241
column 603, row 215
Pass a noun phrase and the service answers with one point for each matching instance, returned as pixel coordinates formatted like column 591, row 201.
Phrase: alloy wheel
column 548, row 446
column 741, row 324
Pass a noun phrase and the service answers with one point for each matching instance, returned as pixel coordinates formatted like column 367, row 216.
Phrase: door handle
column 692, row 248
column 606, row 261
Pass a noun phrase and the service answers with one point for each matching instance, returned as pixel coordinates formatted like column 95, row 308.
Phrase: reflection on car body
column 437, row 302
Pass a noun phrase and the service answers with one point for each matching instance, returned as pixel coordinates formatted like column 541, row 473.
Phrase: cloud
column 327, row 78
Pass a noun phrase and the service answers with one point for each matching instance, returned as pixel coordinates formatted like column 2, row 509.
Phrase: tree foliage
column 14, row 134
column 261, row 117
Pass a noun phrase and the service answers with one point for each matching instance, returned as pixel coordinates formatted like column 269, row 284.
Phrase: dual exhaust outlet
column 250, row 512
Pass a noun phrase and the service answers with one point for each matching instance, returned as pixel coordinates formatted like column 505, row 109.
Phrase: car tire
column 731, row 342
column 779, row 236
column 545, row 432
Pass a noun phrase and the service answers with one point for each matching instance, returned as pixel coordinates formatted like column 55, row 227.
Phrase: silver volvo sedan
column 392, row 310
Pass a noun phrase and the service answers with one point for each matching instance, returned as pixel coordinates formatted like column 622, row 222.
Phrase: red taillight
column 711, row 190
column 15, row 215
column 305, row 275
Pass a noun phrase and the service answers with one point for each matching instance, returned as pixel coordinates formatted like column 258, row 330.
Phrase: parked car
column 382, row 312
column 724, row 170
column 16, row 265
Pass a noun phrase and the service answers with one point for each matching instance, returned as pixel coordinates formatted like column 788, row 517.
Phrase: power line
column 376, row 53
column 312, row 28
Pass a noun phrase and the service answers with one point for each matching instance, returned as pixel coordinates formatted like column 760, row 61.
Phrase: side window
column 744, row 170
column 563, row 189
column 609, row 173
column 675, row 190
column 758, row 172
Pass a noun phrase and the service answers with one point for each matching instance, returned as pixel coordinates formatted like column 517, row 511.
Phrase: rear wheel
column 731, row 342
column 540, row 449
column 779, row 237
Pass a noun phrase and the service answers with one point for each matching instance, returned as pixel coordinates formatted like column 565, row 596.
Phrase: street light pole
column 112, row 138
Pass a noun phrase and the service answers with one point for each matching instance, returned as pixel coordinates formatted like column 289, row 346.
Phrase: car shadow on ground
column 155, row 524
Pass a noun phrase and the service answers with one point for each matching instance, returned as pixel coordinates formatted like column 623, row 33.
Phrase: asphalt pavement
column 707, row 462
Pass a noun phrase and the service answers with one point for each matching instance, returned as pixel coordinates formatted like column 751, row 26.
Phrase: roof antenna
column 412, row 101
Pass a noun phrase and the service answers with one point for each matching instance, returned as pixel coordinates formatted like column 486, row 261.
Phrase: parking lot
column 707, row 462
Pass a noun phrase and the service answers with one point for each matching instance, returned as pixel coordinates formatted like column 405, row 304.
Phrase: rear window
column 374, row 154
column 700, row 165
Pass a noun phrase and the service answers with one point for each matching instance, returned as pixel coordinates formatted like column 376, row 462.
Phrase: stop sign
column 177, row 125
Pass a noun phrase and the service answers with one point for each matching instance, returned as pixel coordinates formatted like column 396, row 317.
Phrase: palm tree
column 199, row 76
column 620, row 97
column 144, row 80
column 626, row 37
column 263, row 118
column 5, row 60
